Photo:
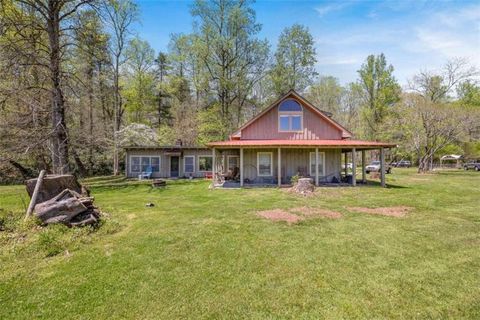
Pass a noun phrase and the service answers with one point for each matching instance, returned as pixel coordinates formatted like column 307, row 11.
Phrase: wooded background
column 77, row 84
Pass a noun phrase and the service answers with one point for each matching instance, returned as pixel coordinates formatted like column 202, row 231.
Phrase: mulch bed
column 397, row 212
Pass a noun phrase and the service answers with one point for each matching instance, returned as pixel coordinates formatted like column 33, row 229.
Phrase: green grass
column 203, row 253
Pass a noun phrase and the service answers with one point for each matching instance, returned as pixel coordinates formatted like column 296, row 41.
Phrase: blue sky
column 414, row 35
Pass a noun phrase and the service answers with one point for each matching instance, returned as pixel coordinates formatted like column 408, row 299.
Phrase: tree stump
column 304, row 186
column 52, row 185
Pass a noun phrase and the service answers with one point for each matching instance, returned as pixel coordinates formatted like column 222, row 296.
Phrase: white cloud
column 326, row 9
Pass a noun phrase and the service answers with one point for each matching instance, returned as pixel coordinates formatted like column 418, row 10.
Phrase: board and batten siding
column 293, row 161
column 314, row 128
column 165, row 161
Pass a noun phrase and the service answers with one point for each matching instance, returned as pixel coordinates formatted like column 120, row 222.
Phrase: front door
column 174, row 166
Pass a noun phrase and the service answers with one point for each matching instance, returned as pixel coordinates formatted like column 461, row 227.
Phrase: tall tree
column 380, row 91
column 295, row 58
column 163, row 103
column 140, row 81
column 52, row 18
column 91, row 51
column 119, row 17
column 231, row 55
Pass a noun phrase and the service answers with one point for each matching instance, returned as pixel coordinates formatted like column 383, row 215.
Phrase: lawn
column 201, row 253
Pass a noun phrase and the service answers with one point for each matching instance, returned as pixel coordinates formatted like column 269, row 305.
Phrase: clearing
column 201, row 253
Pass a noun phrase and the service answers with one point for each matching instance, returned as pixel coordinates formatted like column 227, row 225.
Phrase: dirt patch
column 280, row 215
column 316, row 212
column 398, row 212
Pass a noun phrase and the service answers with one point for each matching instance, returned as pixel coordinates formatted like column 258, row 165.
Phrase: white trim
column 149, row 161
column 271, row 164
column 198, row 162
column 228, row 161
column 320, row 154
column 290, row 114
column 184, row 165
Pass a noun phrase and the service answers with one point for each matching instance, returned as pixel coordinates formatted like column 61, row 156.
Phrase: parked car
column 403, row 164
column 374, row 166
column 474, row 164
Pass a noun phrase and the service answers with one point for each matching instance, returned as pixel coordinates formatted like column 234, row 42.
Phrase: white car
column 374, row 166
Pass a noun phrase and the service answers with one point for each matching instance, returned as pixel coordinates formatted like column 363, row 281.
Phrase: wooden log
column 87, row 220
column 36, row 190
column 66, row 209
column 52, row 185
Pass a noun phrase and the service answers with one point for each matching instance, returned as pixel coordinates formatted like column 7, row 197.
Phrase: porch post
column 382, row 167
column 316, row 167
column 354, row 167
column 364, row 173
column 214, row 166
column 279, row 169
column 346, row 168
column 241, row 167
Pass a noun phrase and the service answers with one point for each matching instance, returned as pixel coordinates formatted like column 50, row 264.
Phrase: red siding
column 314, row 128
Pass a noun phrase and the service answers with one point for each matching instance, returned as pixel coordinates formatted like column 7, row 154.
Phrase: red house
column 291, row 137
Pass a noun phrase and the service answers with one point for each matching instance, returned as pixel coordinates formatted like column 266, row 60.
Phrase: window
column 232, row 162
column 205, row 163
column 290, row 116
column 321, row 164
column 189, row 164
column 264, row 163
column 144, row 163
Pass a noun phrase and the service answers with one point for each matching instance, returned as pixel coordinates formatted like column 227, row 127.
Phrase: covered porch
column 257, row 163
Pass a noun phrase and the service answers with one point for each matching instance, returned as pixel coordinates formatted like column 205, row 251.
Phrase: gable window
column 189, row 164
column 144, row 164
column 264, row 164
column 205, row 163
column 290, row 116
column 321, row 164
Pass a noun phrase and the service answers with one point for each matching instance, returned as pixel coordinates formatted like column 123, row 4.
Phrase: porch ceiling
column 358, row 144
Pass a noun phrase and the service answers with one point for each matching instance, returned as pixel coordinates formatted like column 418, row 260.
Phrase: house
column 292, row 137
column 175, row 161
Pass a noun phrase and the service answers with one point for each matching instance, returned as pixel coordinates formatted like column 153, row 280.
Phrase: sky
column 415, row 35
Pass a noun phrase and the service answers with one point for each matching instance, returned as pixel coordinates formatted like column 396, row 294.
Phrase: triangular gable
column 305, row 102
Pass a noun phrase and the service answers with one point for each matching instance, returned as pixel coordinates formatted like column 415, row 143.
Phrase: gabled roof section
column 294, row 94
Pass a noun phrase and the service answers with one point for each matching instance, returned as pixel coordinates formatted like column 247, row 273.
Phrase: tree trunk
column 59, row 136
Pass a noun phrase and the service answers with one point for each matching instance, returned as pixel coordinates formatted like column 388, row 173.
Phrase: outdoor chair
column 146, row 174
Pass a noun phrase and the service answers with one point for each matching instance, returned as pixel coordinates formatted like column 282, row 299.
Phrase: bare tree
column 119, row 16
column 49, row 17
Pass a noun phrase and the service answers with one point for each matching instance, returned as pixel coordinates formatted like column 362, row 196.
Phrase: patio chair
column 146, row 174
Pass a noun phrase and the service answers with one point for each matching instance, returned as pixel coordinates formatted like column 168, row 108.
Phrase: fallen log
column 63, row 210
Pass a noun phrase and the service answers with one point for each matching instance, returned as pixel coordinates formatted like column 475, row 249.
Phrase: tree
column 380, row 91
column 441, row 122
column 294, row 65
column 163, row 103
column 232, row 59
column 119, row 16
column 90, row 53
column 52, row 19
column 326, row 94
column 140, row 79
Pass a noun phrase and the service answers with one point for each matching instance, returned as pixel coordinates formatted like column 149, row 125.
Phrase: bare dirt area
column 297, row 214
column 398, row 212
column 316, row 212
column 280, row 215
